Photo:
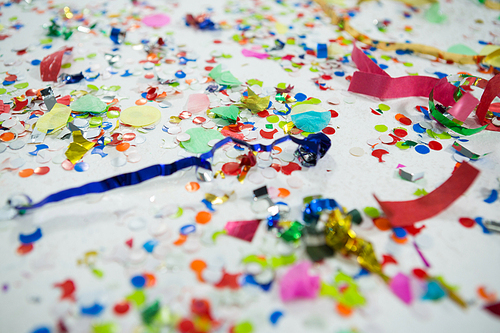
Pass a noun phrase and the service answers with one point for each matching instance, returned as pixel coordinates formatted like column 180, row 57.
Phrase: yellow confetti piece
column 78, row 147
column 281, row 28
column 141, row 115
column 55, row 119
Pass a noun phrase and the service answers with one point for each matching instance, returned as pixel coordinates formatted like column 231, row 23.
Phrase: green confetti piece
column 290, row 41
column 198, row 143
column 89, row 103
column 408, row 64
column 98, row 273
column 217, row 234
column 293, row 233
column 420, row 192
column 95, row 121
column 227, row 112
column 114, row 88
column 13, row 18
column 138, row 297
column 105, row 328
column 79, row 59
column 3, row 91
column 252, row 82
column 434, row 14
column 444, row 136
column 384, row 107
column 148, row 315
column 401, row 145
column 67, row 65
column 312, row 69
column 21, row 85
column 281, row 85
column 113, row 114
column 269, row 126
column 385, row 57
column 178, row 214
column 46, row 41
column 381, row 128
column 273, row 119
column 92, row 87
column 283, row 261
column 371, row 212
column 243, row 327
column 308, row 101
column 255, row 259
column 441, row 118
column 226, row 56
column 92, row 55
column 281, row 124
column 409, row 143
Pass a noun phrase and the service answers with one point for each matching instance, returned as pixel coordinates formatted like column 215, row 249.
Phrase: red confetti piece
column 334, row 113
column 400, row 132
column 405, row 121
column 24, row 249
column 10, row 78
column 494, row 308
column 290, row 167
column 231, row 168
column 232, row 134
column 268, row 135
column 467, row 222
column 328, row 130
column 434, row 145
column 130, row 242
column 263, row 114
column 420, row 273
column 121, row 308
column 412, row 230
column 65, row 100
column 68, row 289
column 378, row 153
column 42, row 170
column 229, row 280
column 51, row 65
column 388, row 259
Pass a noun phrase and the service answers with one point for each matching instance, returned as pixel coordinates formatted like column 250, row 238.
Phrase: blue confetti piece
column 339, row 73
column 188, row 229
column 98, row 150
column 144, row 94
column 300, row 97
column 249, row 279
column 482, row 42
column 107, row 125
column 81, row 166
column 425, row 112
column 208, row 204
column 419, row 129
column 440, row 75
column 38, row 148
column 35, row 62
column 399, row 232
column 31, row 238
column 150, row 245
column 322, row 51
column 127, row 73
column 41, row 330
column 275, row 316
column 421, row 149
column 362, row 272
column 492, row 198
column 383, row 66
column 46, row 47
column 479, row 221
column 138, row 281
column 8, row 83
column 93, row 310
column 180, row 74
column 164, row 128
column 245, row 94
column 434, row 291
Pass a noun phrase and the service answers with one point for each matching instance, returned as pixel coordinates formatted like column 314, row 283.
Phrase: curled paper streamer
column 406, row 213
column 317, row 144
column 343, row 23
column 51, row 65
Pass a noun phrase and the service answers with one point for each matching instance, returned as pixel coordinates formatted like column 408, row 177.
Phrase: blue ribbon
column 315, row 207
column 317, row 143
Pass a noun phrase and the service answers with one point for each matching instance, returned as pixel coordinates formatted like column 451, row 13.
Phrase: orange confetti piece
column 150, row 279
column 24, row 249
column 26, row 173
column 198, row 265
column 181, row 240
column 382, row 223
column 141, row 101
column 203, row 217
column 7, row 136
column 399, row 240
column 489, row 297
column 283, row 192
column 192, row 187
column 344, row 310
column 149, row 76
column 278, row 149
column 123, row 146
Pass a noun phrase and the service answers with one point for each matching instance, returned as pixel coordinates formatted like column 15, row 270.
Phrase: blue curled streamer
column 315, row 207
column 317, row 143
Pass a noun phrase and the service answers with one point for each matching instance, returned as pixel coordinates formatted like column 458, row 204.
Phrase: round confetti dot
column 185, row 326
column 7, row 136
column 387, row 139
column 231, row 168
column 467, row 222
column 256, row 178
column 400, row 232
column 141, row 101
column 405, row 121
column 26, row 173
column 422, row 149
column 67, row 165
column 344, row 310
column 372, row 212
column 24, row 248
column 244, row 327
column 384, row 107
column 81, row 166
column 434, row 145
column 334, row 114
column 400, row 132
column 420, row 273
column 273, row 119
column 328, row 130
column 187, row 229
column 382, row 223
column 294, row 182
column 128, row 136
column 138, row 281
column 140, row 116
column 192, row 187
column 381, row 128
column 269, row 173
column 183, row 137
column 203, row 217
column 198, row 265
column 42, row 170
column 123, row 146
column 199, row 120
column 180, row 74
column 419, row 129
column 356, row 151
column 121, row 308
column 149, row 76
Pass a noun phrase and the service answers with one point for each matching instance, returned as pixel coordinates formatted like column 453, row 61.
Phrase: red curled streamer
column 51, row 65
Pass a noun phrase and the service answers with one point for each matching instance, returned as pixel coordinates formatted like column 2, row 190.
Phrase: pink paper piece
column 250, row 53
column 400, row 286
column 400, row 166
column 156, row 20
column 197, row 103
column 51, row 65
column 244, row 230
column 297, row 283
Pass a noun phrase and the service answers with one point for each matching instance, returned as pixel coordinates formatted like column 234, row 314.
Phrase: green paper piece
column 313, row 69
column 137, row 297
column 273, row 119
column 105, row 328
column 255, row 259
column 3, row 91
column 66, row 65
column 401, row 145
column 252, row 82
column 308, row 101
column 98, row 273
column 408, row 64
column 21, row 85
column 223, row 78
column 92, row 87
column 95, row 121
column 178, row 214
column 92, row 55
column 217, row 234
column 409, row 143
column 283, row 261
column 444, row 135
column 420, row 192
column 381, row 128
column 372, row 212
column 384, row 107
column 198, row 144
column 226, row 56
column 88, row 103
column 148, row 315
column 46, row 41
column 78, row 59
column 227, row 112
column 434, row 14
column 114, row 88
column 243, row 327
column 281, row 85
column 462, row 49
column 344, row 290
column 450, row 123
column 269, row 126
column 113, row 114
column 293, row 233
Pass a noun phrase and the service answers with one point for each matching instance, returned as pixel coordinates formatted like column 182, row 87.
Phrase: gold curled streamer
column 492, row 4
column 343, row 23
